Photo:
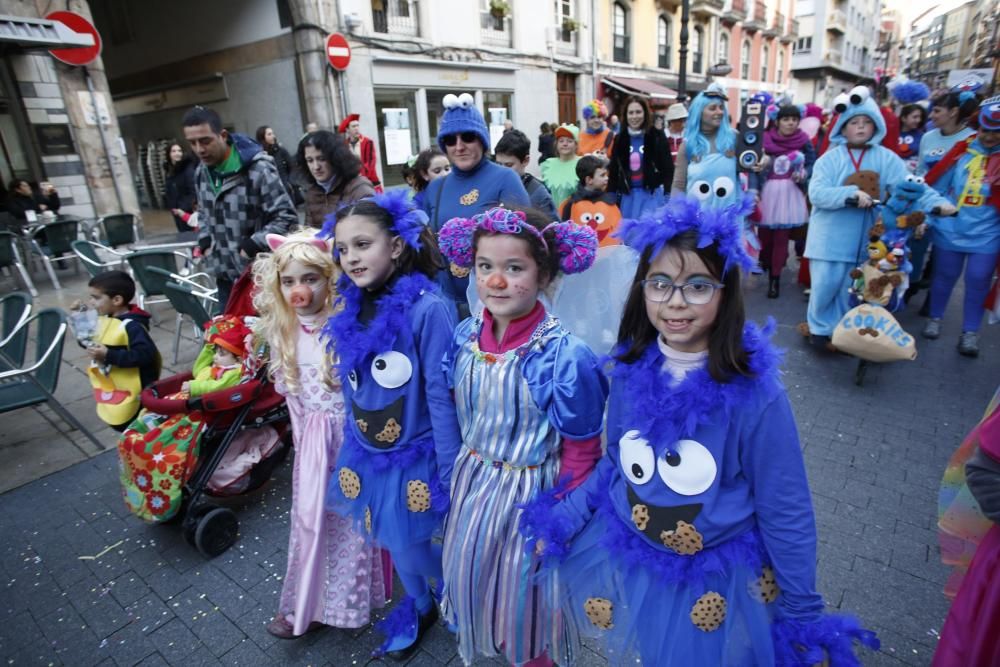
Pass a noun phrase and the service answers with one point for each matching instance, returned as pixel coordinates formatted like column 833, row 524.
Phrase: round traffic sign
column 83, row 55
column 338, row 51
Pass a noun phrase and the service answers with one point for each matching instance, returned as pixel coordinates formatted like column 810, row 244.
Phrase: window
column 745, row 60
column 698, row 50
column 765, row 55
column 620, row 33
column 564, row 14
column 804, row 45
column 779, row 66
column 664, row 33
column 491, row 19
column 723, row 55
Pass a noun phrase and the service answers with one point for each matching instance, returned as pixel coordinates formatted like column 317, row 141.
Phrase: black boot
column 773, row 287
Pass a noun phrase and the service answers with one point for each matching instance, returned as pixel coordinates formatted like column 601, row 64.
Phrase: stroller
column 224, row 417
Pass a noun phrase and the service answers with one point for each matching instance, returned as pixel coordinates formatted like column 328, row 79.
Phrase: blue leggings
column 415, row 565
column 978, row 274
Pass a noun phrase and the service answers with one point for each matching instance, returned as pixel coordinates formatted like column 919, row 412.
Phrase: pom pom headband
column 576, row 245
column 722, row 227
column 407, row 221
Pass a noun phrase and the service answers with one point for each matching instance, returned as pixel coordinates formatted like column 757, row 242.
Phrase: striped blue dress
column 513, row 410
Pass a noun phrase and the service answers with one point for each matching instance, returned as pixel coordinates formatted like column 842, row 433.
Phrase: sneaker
column 968, row 344
column 932, row 330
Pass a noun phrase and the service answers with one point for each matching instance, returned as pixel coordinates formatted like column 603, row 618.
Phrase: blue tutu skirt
column 714, row 608
column 640, row 202
column 395, row 497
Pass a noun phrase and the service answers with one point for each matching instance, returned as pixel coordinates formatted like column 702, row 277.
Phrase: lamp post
column 683, row 60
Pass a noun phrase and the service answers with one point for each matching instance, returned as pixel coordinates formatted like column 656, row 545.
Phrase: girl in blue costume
column 969, row 175
column 401, row 437
column 694, row 541
column 530, row 402
column 706, row 164
column 838, row 230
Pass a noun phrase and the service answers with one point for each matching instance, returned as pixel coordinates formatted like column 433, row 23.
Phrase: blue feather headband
column 910, row 92
column 407, row 220
column 723, row 227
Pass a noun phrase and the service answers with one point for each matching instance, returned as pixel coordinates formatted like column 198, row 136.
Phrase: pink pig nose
column 300, row 296
column 496, row 281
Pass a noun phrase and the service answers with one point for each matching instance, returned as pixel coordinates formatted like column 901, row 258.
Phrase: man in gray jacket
column 240, row 197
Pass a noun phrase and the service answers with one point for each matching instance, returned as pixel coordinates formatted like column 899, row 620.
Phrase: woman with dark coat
column 179, row 193
column 546, row 143
column 332, row 173
column 268, row 140
column 641, row 168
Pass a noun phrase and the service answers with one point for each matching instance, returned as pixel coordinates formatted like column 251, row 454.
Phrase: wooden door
column 566, row 88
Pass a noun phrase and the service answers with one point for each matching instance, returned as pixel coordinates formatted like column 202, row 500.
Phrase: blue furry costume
column 694, row 541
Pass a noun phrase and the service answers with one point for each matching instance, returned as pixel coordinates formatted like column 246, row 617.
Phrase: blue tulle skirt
column 647, row 611
column 640, row 202
column 395, row 497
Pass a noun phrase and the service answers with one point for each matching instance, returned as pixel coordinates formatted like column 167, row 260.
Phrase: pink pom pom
column 575, row 244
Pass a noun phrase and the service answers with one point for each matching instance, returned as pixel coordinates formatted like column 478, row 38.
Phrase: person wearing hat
column 596, row 136
column 676, row 118
column 363, row 147
column 220, row 363
column 474, row 183
column 559, row 174
column 969, row 176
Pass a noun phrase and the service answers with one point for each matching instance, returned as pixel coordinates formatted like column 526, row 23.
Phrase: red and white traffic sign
column 83, row 55
column 338, row 51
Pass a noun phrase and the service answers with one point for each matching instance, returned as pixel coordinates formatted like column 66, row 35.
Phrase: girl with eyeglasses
column 693, row 542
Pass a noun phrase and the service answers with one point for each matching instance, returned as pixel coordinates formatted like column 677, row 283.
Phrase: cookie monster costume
column 694, row 541
column 838, row 232
column 402, row 433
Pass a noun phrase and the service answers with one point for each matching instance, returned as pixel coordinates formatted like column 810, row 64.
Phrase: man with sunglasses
column 474, row 184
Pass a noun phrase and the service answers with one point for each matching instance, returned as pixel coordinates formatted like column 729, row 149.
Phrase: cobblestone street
column 86, row 583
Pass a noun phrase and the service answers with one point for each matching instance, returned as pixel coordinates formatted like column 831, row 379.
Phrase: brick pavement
column 874, row 455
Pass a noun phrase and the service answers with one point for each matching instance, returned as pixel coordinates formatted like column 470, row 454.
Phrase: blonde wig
column 278, row 324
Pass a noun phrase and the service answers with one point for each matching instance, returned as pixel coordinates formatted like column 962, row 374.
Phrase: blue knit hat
column 462, row 115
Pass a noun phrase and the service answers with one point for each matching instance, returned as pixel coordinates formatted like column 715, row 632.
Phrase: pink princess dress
column 335, row 576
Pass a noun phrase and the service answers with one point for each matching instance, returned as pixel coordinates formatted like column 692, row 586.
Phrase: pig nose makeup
column 301, row 296
column 496, row 281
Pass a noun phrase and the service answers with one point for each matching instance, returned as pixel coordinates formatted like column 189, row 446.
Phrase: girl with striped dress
column 530, row 400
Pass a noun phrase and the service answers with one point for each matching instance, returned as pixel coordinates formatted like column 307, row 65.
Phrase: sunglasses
column 467, row 138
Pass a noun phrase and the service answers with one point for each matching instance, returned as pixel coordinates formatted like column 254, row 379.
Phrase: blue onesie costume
column 694, row 541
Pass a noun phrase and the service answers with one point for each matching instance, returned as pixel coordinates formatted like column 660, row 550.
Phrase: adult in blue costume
column 969, row 175
column 694, row 541
column 390, row 337
column 474, row 185
column 855, row 167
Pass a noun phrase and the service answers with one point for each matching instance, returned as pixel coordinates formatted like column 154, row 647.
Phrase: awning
column 39, row 34
column 641, row 87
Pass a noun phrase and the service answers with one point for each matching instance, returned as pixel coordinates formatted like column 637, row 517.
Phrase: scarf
column 776, row 143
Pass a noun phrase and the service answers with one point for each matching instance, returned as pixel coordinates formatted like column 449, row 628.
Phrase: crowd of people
column 449, row 427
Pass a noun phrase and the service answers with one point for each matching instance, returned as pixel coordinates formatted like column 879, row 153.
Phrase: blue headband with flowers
column 408, row 221
column 721, row 226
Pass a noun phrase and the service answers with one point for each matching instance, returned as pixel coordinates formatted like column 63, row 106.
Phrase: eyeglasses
column 467, row 138
column 657, row 290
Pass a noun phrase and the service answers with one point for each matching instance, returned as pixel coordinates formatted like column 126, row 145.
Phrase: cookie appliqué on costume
column 600, row 611
column 418, row 496
column 867, row 182
column 469, row 198
column 671, row 475
column 709, row 612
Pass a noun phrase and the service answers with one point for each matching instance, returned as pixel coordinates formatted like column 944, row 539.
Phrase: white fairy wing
column 590, row 304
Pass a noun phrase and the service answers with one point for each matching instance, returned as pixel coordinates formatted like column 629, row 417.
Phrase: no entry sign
column 338, row 51
column 83, row 55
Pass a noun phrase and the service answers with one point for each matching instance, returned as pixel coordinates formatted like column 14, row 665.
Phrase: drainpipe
column 593, row 44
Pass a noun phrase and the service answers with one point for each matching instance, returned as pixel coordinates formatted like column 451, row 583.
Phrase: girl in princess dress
column 334, row 576
column 530, row 404
column 694, row 541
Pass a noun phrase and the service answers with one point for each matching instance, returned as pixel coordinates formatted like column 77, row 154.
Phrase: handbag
column 870, row 332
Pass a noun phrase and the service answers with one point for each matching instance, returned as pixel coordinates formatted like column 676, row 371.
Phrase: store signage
column 83, row 55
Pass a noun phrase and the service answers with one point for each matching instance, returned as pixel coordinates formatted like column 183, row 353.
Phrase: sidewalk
column 89, row 584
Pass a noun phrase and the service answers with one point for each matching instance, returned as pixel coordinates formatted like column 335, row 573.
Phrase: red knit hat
column 342, row 128
column 229, row 333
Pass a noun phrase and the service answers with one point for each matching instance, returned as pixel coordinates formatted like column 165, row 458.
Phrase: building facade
column 836, row 48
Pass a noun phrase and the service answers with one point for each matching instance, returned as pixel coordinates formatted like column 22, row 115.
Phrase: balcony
column 707, row 8
column 774, row 29
column 791, row 32
column 495, row 29
column 757, row 21
column 395, row 17
column 735, row 12
column 834, row 57
column 566, row 41
column 836, row 21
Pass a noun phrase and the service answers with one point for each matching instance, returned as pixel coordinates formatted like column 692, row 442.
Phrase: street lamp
column 682, row 76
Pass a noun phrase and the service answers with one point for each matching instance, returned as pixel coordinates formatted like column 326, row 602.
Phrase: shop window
column 396, row 118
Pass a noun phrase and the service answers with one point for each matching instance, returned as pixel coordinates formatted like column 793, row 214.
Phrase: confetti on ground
column 103, row 551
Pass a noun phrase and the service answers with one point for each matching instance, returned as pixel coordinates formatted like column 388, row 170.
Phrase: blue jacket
column 463, row 194
column 838, row 232
column 976, row 228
